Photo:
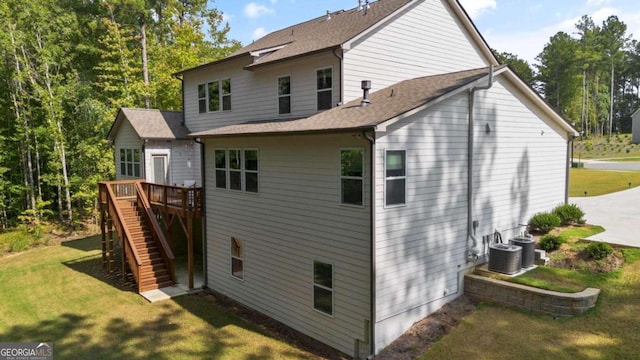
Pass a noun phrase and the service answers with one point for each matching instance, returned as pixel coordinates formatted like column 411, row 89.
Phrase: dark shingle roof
column 152, row 124
column 386, row 104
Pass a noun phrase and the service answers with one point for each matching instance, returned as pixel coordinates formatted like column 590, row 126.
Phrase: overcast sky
column 521, row 27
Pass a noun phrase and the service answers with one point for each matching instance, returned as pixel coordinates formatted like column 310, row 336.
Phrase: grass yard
column 61, row 294
column 600, row 182
column 610, row 331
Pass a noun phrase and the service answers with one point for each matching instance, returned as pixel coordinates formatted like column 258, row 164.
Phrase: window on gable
column 351, row 176
column 323, row 287
column 221, row 168
column 324, row 88
column 284, row 95
column 202, row 98
column 214, row 95
column 395, row 177
column 237, row 258
column 130, row 162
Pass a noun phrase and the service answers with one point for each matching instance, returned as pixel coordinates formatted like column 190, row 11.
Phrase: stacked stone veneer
column 524, row 297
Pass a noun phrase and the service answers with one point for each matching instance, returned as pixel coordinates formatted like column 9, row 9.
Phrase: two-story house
column 349, row 214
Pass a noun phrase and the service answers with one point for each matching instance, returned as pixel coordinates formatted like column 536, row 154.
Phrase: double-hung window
column 395, row 172
column 214, row 96
column 202, row 98
column 237, row 258
column 130, row 162
column 324, row 88
column 284, row 95
column 237, row 169
column 351, row 176
column 323, row 287
column 221, row 168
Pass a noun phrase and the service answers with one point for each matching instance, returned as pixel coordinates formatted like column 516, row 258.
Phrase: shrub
column 544, row 222
column 550, row 242
column 599, row 250
column 569, row 214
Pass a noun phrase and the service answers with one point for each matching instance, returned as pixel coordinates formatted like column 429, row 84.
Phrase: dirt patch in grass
column 426, row 332
column 573, row 259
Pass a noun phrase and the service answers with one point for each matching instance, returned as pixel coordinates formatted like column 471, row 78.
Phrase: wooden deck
column 157, row 205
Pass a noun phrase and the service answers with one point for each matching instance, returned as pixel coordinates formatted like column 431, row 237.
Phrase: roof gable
column 339, row 29
column 151, row 124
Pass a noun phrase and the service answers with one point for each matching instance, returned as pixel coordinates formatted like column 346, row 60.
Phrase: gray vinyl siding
column 520, row 166
column 127, row 138
column 421, row 248
column 294, row 219
column 426, row 40
column 183, row 160
column 254, row 94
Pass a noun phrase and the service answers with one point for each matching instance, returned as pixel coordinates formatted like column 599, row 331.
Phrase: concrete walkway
column 618, row 213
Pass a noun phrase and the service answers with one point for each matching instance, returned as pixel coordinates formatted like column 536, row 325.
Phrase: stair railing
column 108, row 196
column 165, row 250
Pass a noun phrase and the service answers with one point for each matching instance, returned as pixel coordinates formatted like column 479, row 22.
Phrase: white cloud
column 597, row 2
column 476, row 7
column 253, row 10
column 258, row 33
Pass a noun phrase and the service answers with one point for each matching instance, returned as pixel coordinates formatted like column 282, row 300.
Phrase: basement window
column 323, row 287
column 237, row 259
column 395, row 170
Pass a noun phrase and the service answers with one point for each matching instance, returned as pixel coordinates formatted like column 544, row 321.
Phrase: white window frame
column 225, row 169
column 132, row 162
column 313, row 286
column 221, row 96
column 361, row 178
column 285, row 95
column 238, row 258
column 242, row 170
column 329, row 89
column 205, row 98
column 239, row 170
column 387, row 178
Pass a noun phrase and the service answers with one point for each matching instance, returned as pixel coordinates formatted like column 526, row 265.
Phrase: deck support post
column 103, row 240
column 110, row 243
column 190, row 249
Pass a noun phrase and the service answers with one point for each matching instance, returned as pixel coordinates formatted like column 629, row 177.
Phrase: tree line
column 592, row 77
column 67, row 66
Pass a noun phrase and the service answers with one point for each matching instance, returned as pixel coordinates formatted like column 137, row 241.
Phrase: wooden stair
column 154, row 273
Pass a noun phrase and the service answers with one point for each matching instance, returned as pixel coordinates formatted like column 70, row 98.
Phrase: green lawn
column 61, row 294
column 610, row 331
column 600, row 182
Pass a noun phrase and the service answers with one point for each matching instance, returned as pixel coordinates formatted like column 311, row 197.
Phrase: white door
column 159, row 169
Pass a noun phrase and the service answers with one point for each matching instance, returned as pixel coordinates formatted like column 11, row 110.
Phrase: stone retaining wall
column 524, row 297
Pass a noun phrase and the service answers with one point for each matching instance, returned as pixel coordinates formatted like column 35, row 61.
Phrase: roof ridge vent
column 328, row 15
column 359, row 5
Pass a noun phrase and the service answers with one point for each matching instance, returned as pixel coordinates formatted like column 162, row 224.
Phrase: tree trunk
column 145, row 68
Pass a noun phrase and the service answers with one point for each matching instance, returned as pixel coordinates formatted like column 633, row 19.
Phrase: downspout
column 372, row 247
column 566, row 178
column 474, row 250
column 182, row 90
column 204, row 212
column 341, row 72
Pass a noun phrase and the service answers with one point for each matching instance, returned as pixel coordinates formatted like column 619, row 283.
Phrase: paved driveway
column 612, row 165
column 618, row 213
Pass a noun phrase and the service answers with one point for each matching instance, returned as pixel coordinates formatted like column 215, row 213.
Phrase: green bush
column 599, row 250
column 569, row 214
column 550, row 242
column 544, row 222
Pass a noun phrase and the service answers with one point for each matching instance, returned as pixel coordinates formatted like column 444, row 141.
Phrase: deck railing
column 187, row 199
